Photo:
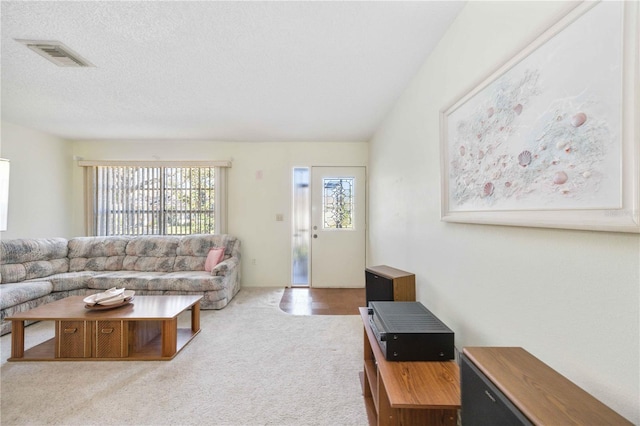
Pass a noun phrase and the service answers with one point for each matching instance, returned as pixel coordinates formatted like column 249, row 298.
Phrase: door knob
column 315, row 235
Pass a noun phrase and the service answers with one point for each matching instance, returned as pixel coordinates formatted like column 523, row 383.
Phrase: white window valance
column 153, row 163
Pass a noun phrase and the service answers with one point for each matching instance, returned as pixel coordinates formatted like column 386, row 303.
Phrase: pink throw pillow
column 213, row 258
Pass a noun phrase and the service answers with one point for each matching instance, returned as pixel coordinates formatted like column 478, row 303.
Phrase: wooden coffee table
column 146, row 329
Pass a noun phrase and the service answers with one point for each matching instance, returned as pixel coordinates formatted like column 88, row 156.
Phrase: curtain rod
column 159, row 163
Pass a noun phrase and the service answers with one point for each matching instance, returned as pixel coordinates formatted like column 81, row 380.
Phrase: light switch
column 279, row 217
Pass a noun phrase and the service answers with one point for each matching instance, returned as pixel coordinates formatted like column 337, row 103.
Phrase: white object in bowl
column 113, row 294
column 108, row 294
column 128, row 294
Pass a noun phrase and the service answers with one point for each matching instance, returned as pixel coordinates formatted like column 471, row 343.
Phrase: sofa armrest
column 222, row 268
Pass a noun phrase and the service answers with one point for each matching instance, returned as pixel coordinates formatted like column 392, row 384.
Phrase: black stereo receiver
column 407, row 331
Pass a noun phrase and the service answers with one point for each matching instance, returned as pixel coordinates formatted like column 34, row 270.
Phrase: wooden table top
column 416, row 384
column 388, row 271
column 140, row 308
column 542, row 394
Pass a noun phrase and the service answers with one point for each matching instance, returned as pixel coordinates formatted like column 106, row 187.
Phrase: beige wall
column 46, row 187
column 569, row 297
column 259, row 185
column 39, row 184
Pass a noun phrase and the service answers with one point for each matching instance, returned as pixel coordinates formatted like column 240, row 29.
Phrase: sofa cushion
column 24, row 259
column 225, row 266
column 44, row 268
column 97, row 253
column 17, row 293
column 98, row 246
column 29, row 250
column 71, row 280
column 193, row 250
column 153, row 246
column 130, row 280
column 199, row 244
column 13, row 273
column 193, row 281
column 189, row 263
column 148, row 264
column 151, row 254
column 103, row 263
column 17, row 272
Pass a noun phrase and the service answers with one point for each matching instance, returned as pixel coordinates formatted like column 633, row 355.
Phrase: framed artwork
column 550, row 138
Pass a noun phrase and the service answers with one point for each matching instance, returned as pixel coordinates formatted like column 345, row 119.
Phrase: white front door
column 338, row 226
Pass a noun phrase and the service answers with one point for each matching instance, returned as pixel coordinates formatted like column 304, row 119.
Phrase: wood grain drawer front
column 111, row 339
column 73, row 338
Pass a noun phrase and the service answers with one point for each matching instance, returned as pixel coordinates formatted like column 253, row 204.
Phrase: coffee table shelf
column 147, row 329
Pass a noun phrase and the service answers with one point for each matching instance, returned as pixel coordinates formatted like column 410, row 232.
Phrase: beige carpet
column 252, row 364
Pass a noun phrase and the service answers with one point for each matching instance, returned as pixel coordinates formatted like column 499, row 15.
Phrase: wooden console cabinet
column 408, row 393
column 509, row 386
column 389, row 284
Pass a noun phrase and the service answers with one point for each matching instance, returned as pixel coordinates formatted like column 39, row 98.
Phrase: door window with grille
column 337, row 203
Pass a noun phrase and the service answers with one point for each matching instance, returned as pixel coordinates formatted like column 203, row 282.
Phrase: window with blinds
column 158, row 200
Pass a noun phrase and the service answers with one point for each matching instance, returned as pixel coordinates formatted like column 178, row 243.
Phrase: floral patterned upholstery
column 28, row 259
column 97, row 253
column 37, row 271
column 15, row 293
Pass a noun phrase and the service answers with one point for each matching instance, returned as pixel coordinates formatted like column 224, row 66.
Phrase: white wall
column 570, row 298
column 259, row 186
column 39, row 183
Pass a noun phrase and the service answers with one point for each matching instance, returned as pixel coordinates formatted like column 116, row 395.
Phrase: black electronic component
column 408, row 331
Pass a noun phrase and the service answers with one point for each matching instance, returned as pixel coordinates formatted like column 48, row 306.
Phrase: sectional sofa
column 38, row 271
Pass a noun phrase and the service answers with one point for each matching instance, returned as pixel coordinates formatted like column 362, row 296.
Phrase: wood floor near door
column 322, row 301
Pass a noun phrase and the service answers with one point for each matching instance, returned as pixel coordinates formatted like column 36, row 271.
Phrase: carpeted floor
column 252, row 364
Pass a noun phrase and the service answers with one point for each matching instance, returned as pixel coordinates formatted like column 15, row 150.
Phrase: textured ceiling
column 232, row 71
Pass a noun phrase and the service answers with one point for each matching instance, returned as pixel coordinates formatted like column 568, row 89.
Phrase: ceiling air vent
column 57, row 53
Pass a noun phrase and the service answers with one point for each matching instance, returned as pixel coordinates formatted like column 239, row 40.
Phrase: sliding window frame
column 90, row 177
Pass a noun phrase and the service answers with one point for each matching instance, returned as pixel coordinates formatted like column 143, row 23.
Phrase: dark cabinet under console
column 384, row 283
column 509, row 386
column 482, row 403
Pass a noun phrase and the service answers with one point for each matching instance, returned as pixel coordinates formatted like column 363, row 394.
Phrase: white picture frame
column 550, row 137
